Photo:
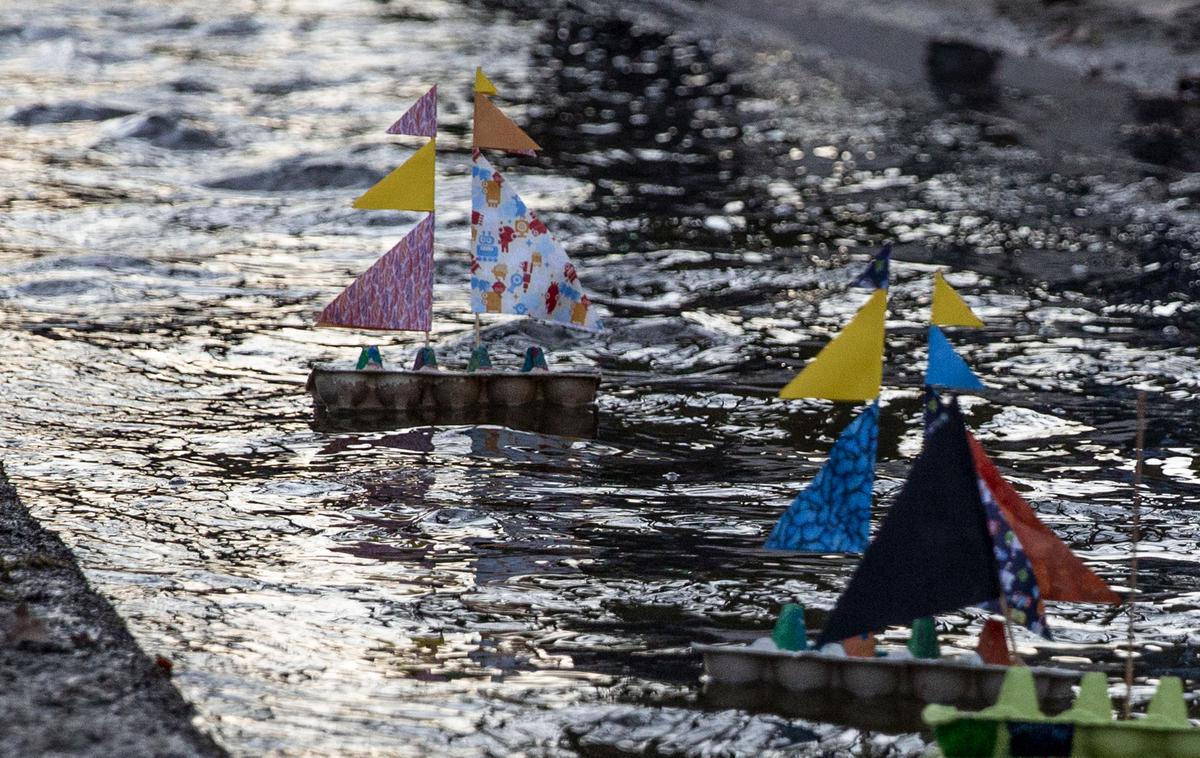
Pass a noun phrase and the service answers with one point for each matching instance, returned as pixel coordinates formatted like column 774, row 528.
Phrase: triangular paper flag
column 483, row 85
column 408, row 188
column 949, row 309
column 421, row 119
column 850, row 367
column 516, row 266
column 932, row 553
column 496, row 131
column 875, row 275
column 396, row 293
column 1061, row 575
column 946, row 368
column 833, row 513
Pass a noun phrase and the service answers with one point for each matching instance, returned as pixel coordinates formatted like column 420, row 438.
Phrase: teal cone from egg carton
column 924, row 642
column 369, row 358
column 535, row 360
column 480, row 360
column 426, row 358
column 790, row 632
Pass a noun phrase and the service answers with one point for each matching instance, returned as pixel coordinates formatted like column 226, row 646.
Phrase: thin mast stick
column 426, row 338
column 478, row 340
column 1133, row 556
column 1013, row 658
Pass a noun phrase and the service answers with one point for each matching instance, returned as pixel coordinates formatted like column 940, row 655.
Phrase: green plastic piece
column 369, row 356
column 426, row 358
column 480, row 360
column 967, row 739
column 924, row 642
column 1018, row 697
column 790, row 632
column 535, row 360
column 1092, row 705
column 1167, row 708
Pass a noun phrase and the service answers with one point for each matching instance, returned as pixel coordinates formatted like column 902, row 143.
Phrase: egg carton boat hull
column 943, row 681
column 347, row 391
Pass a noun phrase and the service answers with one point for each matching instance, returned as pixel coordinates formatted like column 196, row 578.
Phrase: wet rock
column 164, row 130
column 192, row 85
column 75, row 681
column 297, row 174
column 958, row 62
column 59, row 113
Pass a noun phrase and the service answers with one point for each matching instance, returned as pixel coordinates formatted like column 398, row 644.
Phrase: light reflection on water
column 481, row 590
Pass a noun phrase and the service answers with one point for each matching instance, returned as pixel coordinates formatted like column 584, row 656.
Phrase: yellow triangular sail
column 850, row 367
column 408, row 188
column 483, row 85
column 949, row 309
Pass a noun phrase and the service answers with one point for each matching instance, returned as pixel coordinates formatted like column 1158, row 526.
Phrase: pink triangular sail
column 396, row 293
column 421, row 119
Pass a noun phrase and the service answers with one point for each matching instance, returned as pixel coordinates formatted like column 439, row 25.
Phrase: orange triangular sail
column 496, row 131
column 1061, row 575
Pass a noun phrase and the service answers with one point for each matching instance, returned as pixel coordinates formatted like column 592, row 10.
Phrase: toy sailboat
column 516, row 268
column 956, row 535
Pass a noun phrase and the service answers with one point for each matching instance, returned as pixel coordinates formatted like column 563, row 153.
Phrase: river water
column 177, row 187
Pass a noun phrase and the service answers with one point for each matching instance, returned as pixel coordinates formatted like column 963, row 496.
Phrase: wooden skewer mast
column 1133, row 557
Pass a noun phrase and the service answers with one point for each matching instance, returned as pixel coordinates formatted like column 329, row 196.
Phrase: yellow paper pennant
column 408, row 188
column 949, row 309
column 483, row 85
column 850, row 367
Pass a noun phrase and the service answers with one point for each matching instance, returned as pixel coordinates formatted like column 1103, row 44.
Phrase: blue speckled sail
column 833, row 514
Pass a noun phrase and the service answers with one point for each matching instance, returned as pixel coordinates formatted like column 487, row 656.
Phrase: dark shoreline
column 74, row 680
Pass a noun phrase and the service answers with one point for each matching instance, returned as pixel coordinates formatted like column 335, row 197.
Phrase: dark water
column 491, row 591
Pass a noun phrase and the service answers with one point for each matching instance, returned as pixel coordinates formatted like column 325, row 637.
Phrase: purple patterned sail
column 395, row 294
column 421, row 119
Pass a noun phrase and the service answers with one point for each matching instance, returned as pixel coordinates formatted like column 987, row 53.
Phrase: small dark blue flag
column 875, row 275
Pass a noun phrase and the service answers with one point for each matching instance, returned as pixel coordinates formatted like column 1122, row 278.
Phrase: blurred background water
column 177, row 180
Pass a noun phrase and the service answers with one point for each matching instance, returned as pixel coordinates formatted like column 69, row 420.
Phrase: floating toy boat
column 516, row 268
column 1014, row 726
column 956, row 535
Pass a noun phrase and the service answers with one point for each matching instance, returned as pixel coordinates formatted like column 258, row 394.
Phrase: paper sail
column 833, row 513
column 421, row 119
column 1018, row 581
column 516, row 266
column 949, row 309
column 875, row 275
column 850, row 367
column 1016, row 577
column 496, row 131
column 408, row 188
column 946, row 368
column 396, row 293
column 1060, row 573
column 483, row 85
column 932, row 553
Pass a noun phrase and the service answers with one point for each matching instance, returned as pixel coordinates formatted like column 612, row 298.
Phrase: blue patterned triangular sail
column 875, row 275
column 833, row 513
column 946, row 368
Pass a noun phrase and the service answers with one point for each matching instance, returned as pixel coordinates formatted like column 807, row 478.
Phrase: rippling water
column 177, row 187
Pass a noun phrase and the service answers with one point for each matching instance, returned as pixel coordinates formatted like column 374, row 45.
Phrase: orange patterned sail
column 1061, row 574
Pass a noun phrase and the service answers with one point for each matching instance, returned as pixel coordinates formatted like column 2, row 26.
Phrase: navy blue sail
column 932, row 553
